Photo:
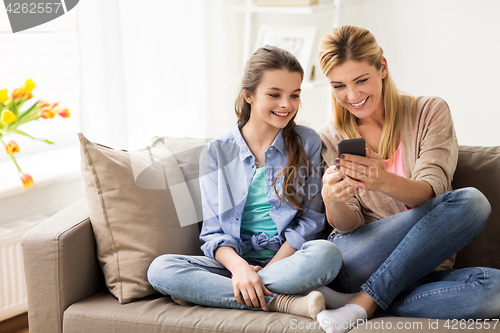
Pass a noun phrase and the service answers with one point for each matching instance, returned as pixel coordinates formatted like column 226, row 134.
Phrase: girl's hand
column 247, row 283
column 335, row 186
column 256, row 268
column 366, row 173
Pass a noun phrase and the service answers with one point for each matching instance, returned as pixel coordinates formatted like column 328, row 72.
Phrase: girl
column 261, row 197
column 390, row 249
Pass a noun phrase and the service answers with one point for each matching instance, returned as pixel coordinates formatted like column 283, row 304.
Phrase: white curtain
column 147, row 69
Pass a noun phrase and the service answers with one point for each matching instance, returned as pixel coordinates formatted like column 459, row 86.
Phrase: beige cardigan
column 430, row 151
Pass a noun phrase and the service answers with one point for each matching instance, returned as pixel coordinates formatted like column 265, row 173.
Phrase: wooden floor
column 17, row 324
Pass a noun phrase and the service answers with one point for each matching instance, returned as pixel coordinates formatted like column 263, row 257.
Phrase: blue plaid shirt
column 226, row 169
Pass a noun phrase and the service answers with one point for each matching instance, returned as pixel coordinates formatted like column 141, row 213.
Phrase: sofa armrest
column 60, row 265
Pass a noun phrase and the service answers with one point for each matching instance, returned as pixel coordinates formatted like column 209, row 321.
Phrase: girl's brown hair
column 273, row 58
column 345, row 43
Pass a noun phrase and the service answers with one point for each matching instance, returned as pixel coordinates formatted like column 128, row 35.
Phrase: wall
column 446, row 48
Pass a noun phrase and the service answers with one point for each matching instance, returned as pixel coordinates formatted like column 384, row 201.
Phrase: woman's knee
column 474, row 201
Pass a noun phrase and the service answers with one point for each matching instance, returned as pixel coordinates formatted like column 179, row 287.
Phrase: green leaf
column 29, row 136
column 14, row 108
column 30, row 110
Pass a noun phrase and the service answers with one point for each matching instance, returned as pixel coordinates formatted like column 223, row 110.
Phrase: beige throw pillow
column 133, row 211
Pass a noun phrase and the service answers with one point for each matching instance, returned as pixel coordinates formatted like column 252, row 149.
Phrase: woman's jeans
column 202, row 280
column 393, row 260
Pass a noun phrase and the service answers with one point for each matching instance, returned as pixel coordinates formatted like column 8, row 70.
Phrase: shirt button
column 269, row 155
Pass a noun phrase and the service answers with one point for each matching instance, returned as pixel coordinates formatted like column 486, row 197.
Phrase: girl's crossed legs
column 202, row 280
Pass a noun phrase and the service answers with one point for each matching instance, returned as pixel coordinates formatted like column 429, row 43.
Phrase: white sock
column 341, row 320
column 334, row 299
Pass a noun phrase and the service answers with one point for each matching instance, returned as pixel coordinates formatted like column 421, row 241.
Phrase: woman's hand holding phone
column 364, row 173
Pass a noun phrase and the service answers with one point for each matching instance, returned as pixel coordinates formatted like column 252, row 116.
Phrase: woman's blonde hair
column 345, row 43
column 273, row 58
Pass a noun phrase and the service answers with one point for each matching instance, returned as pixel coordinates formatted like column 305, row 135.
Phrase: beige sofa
column 67, row 291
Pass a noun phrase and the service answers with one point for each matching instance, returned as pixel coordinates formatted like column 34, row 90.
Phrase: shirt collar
column 278, row 143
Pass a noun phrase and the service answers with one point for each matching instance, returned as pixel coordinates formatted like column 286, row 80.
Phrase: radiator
column 13, row 297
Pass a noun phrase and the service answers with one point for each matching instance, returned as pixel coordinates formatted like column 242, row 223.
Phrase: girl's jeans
column 393, row 260
column 202, row 280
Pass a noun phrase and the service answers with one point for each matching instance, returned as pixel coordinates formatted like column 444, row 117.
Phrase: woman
column 262, row 205
column 394, row 217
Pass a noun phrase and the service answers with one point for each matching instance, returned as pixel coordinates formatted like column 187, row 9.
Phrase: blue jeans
column 393, row 260
column 202, row 280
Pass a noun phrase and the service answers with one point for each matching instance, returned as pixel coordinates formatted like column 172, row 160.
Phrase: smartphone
column 353, row 146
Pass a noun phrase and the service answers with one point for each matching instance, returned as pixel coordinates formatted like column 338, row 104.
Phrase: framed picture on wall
column 297, row 40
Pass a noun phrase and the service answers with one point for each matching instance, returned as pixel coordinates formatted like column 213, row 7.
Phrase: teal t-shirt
column 256, row 219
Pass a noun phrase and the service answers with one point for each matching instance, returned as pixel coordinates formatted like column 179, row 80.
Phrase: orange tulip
column 12, row 147
column 27, row 180
column 29, row 95
column 17, row 93
column 64, row 113
column 43, row 104
column 47, row 114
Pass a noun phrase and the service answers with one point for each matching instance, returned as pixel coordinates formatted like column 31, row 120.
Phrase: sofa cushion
column 156, row 314
column 479, row 167
column 131, row 201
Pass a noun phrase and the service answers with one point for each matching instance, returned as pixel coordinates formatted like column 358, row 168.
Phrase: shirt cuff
column 294, row 239
column 225, row 240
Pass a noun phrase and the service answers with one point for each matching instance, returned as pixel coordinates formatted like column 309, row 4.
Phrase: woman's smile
column 359, row 104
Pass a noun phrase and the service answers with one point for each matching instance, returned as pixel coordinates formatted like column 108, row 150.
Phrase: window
column 49, row 55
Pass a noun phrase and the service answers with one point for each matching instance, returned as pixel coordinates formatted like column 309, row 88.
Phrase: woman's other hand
column 335, row 186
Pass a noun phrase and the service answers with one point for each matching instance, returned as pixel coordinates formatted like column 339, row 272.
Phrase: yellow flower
column 7, row 116
column 29, row 85
column 4, row 97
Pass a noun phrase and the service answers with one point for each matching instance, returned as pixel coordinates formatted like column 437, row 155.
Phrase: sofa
column 68, row 284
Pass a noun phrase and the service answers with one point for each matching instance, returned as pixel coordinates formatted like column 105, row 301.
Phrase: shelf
column 303, row 10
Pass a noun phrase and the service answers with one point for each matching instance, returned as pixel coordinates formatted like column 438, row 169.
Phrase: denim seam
column 374, row 297
column 445, row 290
